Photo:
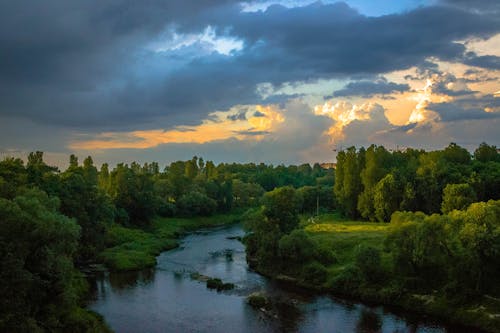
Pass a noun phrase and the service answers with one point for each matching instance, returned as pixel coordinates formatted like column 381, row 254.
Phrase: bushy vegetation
column 39, row 286
column 53, row 222
column 374, row 183
column 443, row 264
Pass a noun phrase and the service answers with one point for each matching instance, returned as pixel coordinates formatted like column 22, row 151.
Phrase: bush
column 195, row 204
column 348, row 280
column 369, row 263
column 325, row 255
column 166, row 209
column 314, row 273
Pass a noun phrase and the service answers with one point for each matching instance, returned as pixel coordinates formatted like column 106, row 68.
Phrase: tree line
column 373, row 183
column 443, row 240
column 52, row 221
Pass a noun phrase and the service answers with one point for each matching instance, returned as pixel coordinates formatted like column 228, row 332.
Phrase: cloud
column 241, row 115
column 369, row 88
column 123, row 75
column 487, row 61
column 80, row 65
column 484, row 107
column 219, row 127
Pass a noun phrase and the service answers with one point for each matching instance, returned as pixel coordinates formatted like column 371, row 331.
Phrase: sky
column 259, row 81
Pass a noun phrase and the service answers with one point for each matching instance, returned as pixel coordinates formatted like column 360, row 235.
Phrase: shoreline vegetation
column 440, row 250
column 135, row 248
column 345, row 239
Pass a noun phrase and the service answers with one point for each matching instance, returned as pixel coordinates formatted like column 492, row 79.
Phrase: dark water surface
column 167, row 299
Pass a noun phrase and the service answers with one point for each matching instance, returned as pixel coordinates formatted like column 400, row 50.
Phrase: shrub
column 315, row 273
column 369, row 263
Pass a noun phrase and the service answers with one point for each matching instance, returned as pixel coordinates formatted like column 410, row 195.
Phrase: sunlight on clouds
column 258, row 121
column 490, row 46
column 423, row 97
column 208, row 40
column 344, row 113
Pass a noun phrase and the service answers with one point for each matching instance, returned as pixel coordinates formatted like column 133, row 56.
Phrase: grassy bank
column 133, row 249
column 344, row 237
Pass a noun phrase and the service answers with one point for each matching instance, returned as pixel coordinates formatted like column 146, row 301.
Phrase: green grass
column 133, row 249
column 343, row 236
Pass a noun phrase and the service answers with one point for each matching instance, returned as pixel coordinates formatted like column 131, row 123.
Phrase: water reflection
column 169, row 299
column 129, row 280
column 369, row 322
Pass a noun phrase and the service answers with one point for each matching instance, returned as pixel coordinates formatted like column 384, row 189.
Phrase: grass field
column 344, row 236
column 133, row 249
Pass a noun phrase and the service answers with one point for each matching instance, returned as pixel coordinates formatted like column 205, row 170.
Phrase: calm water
column 166, row 299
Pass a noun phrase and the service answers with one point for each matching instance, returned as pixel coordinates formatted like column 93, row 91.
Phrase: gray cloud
column 467, row 108
column 241, row 115
column 370, row 88
column 252, row 132
column 85, row 64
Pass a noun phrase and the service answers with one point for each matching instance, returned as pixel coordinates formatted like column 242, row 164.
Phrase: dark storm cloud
column 467, row 108
column 84, row 64
column 489, row 61
column 370, row 88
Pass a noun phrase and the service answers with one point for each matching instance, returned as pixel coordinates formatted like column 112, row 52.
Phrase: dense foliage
column 440, row 253
column 53, row 221
column 458, row 252
column 374, row 183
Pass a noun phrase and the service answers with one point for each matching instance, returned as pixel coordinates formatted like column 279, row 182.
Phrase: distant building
column 328, row 165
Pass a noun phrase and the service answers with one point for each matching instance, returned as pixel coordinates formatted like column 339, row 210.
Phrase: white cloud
column 208, row 40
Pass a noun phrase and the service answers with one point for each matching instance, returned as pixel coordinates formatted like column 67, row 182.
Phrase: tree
column 348, row 184
column 486, row 153
column 195, row 203
column 457, row 196
column 282, row 207
column 132, row 192
column 456, row 154
column 82, row 199
column 479, row 235
column 246, row 194
column 37, row 279
column 377, row 163
column 296, row 248
column 387, row 197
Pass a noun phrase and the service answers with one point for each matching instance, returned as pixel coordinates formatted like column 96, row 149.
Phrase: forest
column 416, row 229
column 53, row 223
column 418, row 223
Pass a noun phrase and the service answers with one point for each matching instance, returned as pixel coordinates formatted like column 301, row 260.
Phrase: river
column 167, row 299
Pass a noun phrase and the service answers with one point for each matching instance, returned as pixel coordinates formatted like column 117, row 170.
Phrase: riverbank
column 343, row 238
column 135, row 249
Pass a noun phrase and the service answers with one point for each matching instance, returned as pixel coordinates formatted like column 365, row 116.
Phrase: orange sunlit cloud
column 254, row 127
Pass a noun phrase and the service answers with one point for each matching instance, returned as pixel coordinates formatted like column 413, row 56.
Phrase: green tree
column 195, row 203
column 377, row 163
column 37, row 279
column 387, row 197
column 457, row 196
column 282, row 207
column 486, row 153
